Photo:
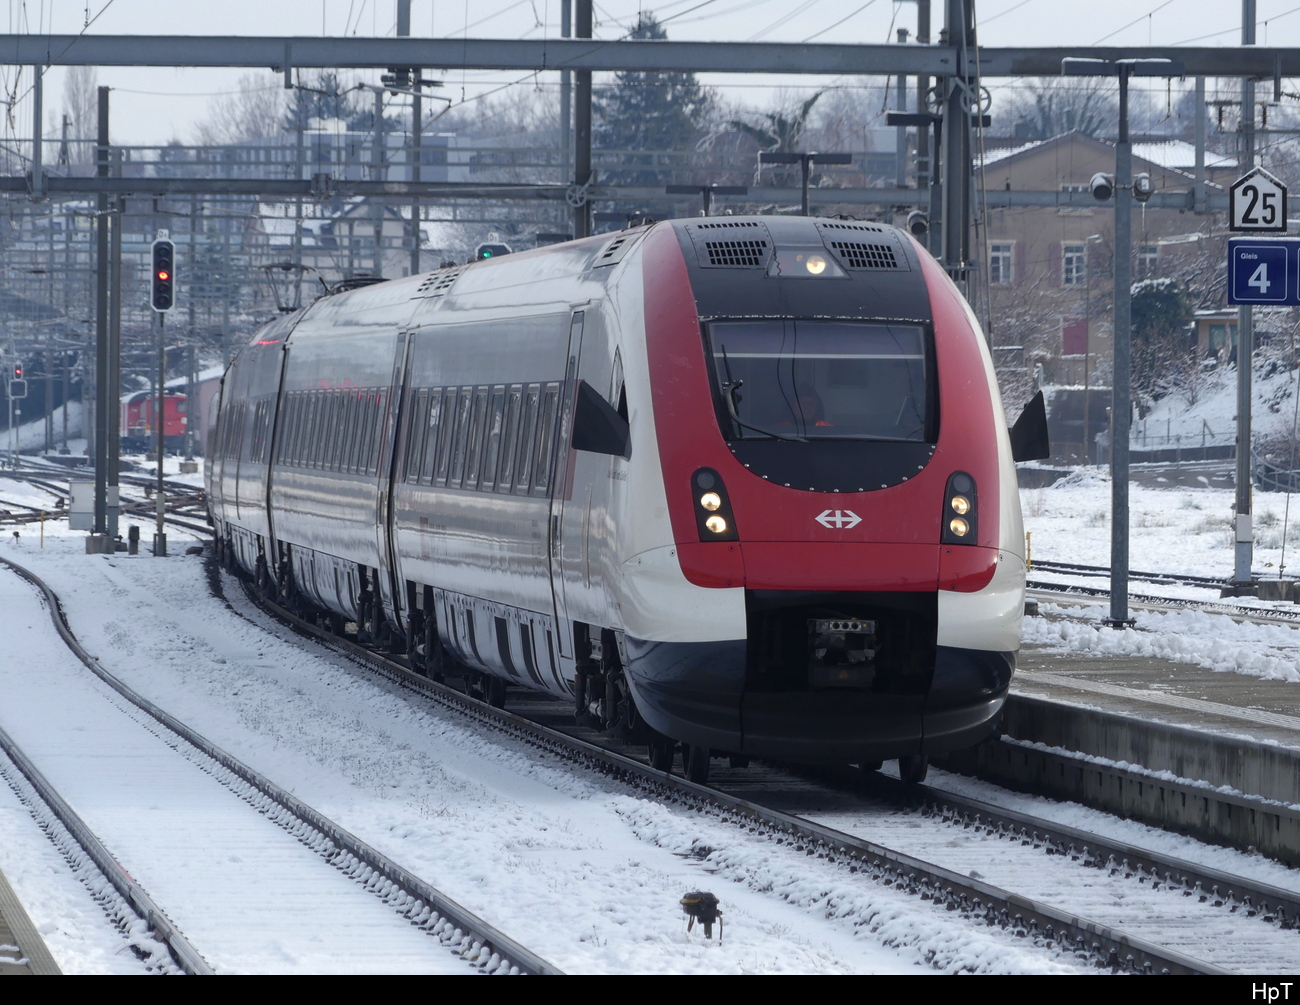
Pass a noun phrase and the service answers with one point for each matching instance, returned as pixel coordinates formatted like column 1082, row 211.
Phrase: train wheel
column 495, row 692
column 912, row 769
column 695, row 761
column 662, row 750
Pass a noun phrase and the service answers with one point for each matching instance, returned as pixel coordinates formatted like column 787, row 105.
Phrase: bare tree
column 81, row 106
column 254, row 112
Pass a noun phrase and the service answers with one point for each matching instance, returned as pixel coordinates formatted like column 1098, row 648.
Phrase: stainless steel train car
column 741, row 484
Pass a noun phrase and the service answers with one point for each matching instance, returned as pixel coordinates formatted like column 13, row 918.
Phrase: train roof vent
column 437, row 283
column 849, row 225
column 863, row 255
column 616, row 249
column 731, row 244
column 743, row 254
column 715, row 225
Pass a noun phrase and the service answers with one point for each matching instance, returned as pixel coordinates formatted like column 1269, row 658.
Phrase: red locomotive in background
column 139, row 427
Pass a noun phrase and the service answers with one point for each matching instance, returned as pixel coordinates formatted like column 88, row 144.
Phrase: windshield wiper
column 729, row 388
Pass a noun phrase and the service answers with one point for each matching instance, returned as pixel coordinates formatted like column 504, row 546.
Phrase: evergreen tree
column 323, row 97
column 648, row 113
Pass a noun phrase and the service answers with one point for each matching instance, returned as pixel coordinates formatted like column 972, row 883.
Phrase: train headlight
column 960, row 520
column 714, row 520
column 804, row 263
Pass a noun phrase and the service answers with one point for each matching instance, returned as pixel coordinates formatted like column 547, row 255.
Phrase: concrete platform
column 1173, row 693
column 1212, row 755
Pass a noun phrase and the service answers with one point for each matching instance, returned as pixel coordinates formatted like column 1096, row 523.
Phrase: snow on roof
column 1171, row 154
column 1179, row 155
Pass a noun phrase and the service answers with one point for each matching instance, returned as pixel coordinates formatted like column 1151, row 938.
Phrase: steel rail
column 1101, row 944
column 1274, row 904
column 137, row 898
column 463, row 932
column 1101, row 571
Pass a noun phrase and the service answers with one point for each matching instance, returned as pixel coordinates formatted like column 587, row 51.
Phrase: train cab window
column 546, row 433
column 822, row 380
column 509, row 439
column 492, row 438
column 527, row 428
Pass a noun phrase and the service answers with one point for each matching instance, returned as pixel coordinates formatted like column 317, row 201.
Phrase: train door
column 394, row 438
column 585, row 480
column 564, row 508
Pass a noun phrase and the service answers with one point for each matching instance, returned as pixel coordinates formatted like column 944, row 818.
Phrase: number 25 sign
column 1257, row 202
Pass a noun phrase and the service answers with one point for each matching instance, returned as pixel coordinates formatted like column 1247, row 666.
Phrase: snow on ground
column 584, row 873
column 587, row 875
column 1177, row 530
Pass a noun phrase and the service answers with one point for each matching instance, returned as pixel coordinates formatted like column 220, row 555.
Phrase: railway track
column 413, row 904
column 761, row 801
column 1103, row 572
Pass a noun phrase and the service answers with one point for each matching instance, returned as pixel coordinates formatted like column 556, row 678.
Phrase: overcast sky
column 157, row 105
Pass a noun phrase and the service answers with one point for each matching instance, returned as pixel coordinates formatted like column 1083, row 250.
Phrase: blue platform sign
column 1265, row 272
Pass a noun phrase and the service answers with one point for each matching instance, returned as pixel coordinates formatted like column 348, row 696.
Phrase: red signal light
column 164, row 275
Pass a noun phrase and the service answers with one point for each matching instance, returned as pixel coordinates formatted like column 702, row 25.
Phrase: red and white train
column 738, row 483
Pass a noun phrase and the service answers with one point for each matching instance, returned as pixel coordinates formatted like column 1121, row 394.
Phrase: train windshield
column 821, row 380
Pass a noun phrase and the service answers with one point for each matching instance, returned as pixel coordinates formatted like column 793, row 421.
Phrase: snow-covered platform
column 1162, row 690
column 1208, row 753
column 22, row 950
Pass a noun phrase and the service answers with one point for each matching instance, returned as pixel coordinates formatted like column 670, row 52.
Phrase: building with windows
column 1049, row 268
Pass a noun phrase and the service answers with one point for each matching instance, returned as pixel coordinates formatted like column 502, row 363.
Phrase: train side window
column 366, row 434
column 286, row 420
column 527, row 427
column 309, row 435
column 492, row 441
column 546, row 431
column 321, row 446
column 446, row 432
column 286, row 434
column 356, row 405
column 429, row 446
column 268, row 409
column 509, row 439
column 295, row 428
column 416, row 430
column 474, row 448
column 304, row 421
column 256, row 453
column 460, row 437
column 341, row 430
column 331, row 444
column 376, row 428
